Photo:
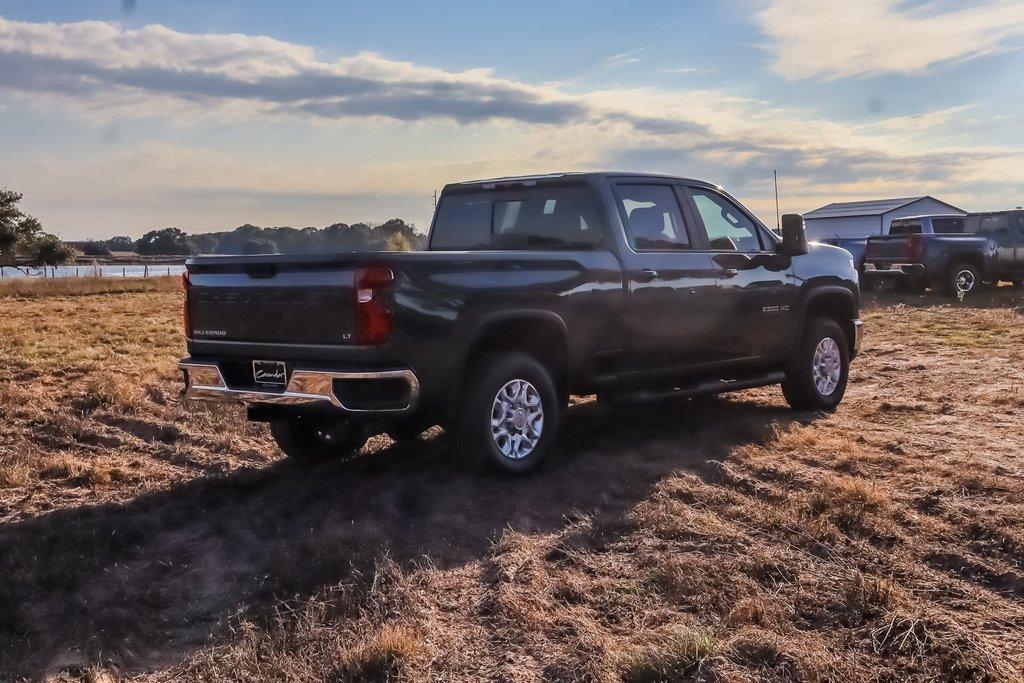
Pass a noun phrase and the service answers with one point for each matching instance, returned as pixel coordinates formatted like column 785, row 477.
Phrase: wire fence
column 141, row 270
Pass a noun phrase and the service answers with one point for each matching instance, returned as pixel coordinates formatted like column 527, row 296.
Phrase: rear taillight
column 186, row 315
column 373, row 307
column 915, row 247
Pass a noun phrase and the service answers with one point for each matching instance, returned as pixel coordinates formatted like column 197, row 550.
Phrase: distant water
column 135, row 270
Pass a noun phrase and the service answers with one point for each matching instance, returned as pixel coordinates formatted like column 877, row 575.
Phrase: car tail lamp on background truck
column 186, row 315
column 915, row 247
column 373, row 307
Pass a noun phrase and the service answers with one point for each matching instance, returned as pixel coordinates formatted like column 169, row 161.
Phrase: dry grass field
column 727, row 539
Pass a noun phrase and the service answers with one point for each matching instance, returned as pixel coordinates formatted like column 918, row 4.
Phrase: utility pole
column 775, row 175
column 435, row 199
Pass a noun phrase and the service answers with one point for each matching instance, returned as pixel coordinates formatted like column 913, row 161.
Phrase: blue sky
column 120, row 117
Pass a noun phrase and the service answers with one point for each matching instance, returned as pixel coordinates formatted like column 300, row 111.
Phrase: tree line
column 392, row 235
column 24, row 243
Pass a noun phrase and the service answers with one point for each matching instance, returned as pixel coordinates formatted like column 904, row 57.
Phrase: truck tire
column 817, row 370
column 963, row 277
column 306, row 439
column 510, row 413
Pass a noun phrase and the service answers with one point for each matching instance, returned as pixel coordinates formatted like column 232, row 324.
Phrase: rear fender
column 529, row 326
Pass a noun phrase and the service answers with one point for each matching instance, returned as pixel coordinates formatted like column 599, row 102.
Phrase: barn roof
column 874, row 207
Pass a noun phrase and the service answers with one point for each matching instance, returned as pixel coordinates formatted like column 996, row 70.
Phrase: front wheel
column 307, row 439
column 510, row 413
column 819, row 367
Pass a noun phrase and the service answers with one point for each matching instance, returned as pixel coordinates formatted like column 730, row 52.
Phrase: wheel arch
column 835, row 302
column 972, row 258
column 541, row 334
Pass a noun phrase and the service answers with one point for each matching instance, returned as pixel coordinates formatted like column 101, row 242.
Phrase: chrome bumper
column 858, row 334
column 204, row 382
column 897, row 268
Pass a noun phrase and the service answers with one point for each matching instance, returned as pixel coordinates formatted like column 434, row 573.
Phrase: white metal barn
column 860, row 219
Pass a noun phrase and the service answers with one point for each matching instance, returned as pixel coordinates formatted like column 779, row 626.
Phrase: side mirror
column 794, row 240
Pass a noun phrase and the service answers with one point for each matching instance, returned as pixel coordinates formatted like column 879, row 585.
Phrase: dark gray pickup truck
column 983, row 247
column 634, row 287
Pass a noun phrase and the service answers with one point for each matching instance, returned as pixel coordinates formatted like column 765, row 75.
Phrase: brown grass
column 33, row 288
column 730, row 539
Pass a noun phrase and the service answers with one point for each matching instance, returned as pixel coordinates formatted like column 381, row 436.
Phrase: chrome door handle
column 647, row 274
column 729, row 272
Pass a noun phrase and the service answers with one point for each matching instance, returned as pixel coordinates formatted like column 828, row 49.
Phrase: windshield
column 518, row 218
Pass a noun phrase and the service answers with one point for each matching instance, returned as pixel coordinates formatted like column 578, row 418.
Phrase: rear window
column 905, row 228
column 538, row 218
column 947, row 225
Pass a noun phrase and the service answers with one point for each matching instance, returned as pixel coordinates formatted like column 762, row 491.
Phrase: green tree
column 259, row 245
column 93, row 248
column 121, row 243
column 23, row 242
column 205, row 243
column 166, row 242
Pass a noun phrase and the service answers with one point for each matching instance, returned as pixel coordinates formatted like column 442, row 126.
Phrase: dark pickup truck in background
column 857, row 246
column 634, row 287
column 976, row 249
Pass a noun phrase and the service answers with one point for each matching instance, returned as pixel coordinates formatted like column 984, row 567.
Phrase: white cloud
column 687, row 70
column 104, row 66
column 478, row 124
column 624, row 58
column 814, row 39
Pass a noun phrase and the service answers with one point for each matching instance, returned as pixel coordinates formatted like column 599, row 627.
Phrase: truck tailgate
column 888, row 248
column 265, row 301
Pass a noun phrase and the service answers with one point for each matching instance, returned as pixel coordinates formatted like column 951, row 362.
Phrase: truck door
column 757, row 296
column 671, row 282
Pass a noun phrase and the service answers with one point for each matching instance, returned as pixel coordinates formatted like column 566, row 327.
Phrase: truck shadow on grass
column 147, row 582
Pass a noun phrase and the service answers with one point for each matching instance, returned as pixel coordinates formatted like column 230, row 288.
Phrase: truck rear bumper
column 895, row 268
column 353, row 392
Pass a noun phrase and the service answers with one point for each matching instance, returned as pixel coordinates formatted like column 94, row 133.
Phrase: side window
column 995, row 224
column 728, row 228
column 653, row 219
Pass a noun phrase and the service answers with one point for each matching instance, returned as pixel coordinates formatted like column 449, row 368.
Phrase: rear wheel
column 818, row 369
column 963, row 278
column 308, row 439
column 510, row 413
